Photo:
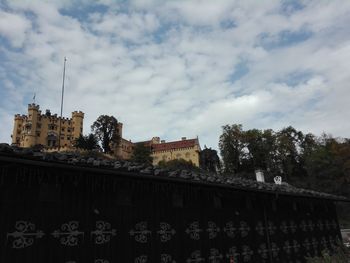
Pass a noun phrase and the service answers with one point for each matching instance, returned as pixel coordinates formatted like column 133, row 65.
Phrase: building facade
column 187, row 149
column 36, row 128
column 124, row 148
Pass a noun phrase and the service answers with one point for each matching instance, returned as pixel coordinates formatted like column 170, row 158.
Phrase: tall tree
column 289, row 141
column 231, row 147
column 209, row 160
column 105, row 129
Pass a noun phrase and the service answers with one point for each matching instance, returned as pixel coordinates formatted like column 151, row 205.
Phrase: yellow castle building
column 187, row 149
column 46, row 129
column 54, row 132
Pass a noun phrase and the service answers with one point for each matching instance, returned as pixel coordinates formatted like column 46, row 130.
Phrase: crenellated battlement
column 33, row 106
column 77, row 114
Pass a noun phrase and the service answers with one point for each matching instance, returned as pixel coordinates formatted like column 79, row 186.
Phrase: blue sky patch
column 241, row 69
column 284, row 39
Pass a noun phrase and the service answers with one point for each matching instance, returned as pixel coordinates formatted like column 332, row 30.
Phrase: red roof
column 167, row 146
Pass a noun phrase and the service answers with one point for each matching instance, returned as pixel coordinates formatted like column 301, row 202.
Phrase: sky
column 179, row 68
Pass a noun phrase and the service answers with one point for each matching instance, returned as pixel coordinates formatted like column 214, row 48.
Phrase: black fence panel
column 59, row 214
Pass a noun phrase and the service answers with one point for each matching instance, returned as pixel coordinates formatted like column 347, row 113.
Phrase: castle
column 54, row 132
column 187, row 149
column 46, row 129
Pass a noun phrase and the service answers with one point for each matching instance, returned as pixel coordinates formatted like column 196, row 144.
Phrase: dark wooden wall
column 57, row 214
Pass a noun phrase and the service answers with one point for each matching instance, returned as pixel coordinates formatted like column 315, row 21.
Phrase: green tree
column 289, row 141
column 142, row 154
column 231, row 147
column 105, row 129
column 209, row 160
column 88, row 142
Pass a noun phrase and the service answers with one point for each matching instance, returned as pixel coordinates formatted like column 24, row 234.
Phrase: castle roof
column 167, row 146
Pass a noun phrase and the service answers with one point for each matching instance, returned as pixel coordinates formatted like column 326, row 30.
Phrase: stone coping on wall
column 97, row 162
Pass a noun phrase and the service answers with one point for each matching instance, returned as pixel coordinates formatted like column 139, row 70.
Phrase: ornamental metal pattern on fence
column 62, row 215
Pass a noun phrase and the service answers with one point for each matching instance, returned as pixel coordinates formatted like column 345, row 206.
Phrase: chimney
column 183, row 138
column 259, row 175
column 162, row 141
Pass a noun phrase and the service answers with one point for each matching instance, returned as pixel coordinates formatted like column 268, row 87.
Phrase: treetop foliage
column 305, row 160
column 105, row 129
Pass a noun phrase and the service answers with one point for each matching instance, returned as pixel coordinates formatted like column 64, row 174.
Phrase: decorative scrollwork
column 195, row 257
column 247, row 253
column 212, row 230
column 165, row 232
column 194, row 230
column 274, row 250
column 103, row 232
column 260, row 228
column 244, row 229
column 215, row 256
column 140, row 232
column 68, row 234
column 141, row 259
column 232, row 254
column 229, row 229
column 263, row 251
column 24, row 234
column 165, row 258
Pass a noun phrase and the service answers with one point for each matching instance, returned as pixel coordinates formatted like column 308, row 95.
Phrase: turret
column 77, row 123
column 119, row 129
column 17, row 129
column 155, row 140
column 30, row 125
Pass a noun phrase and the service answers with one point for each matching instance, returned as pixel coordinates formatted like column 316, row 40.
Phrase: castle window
column 68, row 130
column 68, row 137
column 38, row 134
column 62, row 129
column 39, row 125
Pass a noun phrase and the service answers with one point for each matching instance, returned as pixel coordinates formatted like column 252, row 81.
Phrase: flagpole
column 63, row 78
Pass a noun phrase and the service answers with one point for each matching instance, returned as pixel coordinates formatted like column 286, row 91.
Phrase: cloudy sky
column 180, row 67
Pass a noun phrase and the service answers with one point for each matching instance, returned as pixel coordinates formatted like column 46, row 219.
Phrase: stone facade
column 36, row 128
column 187, row 149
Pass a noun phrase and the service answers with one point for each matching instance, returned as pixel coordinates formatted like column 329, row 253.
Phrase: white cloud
column 14, row 27
column 174, row 68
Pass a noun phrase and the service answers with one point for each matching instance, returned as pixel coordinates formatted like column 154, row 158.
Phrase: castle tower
column 17, row 130
column 77, row 123
column 31, row 125
column 119, row 130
